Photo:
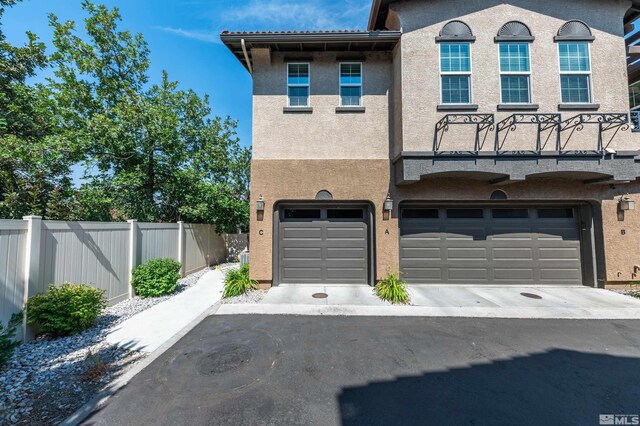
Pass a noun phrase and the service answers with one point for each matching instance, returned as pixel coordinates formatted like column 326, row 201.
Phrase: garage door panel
column 338, row 233
column 302, row 274
column 558, row 253
column 468, row 274
column 296, row 233
column 512, row 274
column 559, row 274
column 302, row 253
column 424, row 253
column 345, row 274
column 467, row 254
column 347, row 253
column 419, row 274
column 512, row 253
column 507, row 246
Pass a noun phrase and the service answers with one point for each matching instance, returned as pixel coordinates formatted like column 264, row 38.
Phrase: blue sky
column 183, row 36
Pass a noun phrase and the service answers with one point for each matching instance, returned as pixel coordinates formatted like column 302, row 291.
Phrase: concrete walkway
column 149, row 329
column 448, row 301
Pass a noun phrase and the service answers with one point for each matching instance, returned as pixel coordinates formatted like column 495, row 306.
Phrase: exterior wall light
column 388, row 203
column 626, row 203
column 260, row 204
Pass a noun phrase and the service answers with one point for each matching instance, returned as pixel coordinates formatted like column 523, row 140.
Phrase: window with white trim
column 350, row 84
column 455, row 73
column 575, row 72
column 298, row 85
column 515, row 73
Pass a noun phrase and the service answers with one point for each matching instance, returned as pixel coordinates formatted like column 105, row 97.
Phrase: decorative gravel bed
column 47, row 380
column 632, row 293
column 255, row 296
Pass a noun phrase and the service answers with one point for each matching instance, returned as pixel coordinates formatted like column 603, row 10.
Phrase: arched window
column 574, row 54
column 514, row 31
column 515, row 64
column 575, row 30
column 455, row 63
column 456, row 31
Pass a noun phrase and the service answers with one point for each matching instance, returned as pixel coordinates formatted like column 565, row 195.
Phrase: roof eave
column 373, row 15
column 311, row 37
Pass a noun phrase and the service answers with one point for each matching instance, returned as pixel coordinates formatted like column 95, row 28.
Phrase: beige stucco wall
column 323, row 133
column 422, row 20
column 297, row 155
column 369, row 180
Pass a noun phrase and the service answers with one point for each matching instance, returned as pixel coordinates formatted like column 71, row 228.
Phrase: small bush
column 392, row 289
column 156, row 278
column 7, row 338
column 237, row 282
column 65, row 310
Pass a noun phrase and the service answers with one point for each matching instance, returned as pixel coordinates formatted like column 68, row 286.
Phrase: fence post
column 181, row 248
column 31, row 266
column 133, row 251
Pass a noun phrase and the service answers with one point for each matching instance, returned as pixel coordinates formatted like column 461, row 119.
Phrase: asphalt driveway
column 283, row 370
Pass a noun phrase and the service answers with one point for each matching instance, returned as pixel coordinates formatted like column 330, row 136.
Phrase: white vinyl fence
column 35, row 253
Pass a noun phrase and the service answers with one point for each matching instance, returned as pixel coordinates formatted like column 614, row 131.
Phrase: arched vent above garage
column 499, row 195
column 324, row 196
column 456, row 31
column 514, row 31
column 575, row 31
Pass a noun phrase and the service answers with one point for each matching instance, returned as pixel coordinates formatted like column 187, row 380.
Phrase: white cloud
column 300, row 14
column 273, row 15
column 200, row 35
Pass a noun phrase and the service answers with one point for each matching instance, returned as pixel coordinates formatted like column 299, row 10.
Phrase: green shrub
column 392, row 289
column 65, row 310
column 7, row 338
column 156, row 278
column 237, row 282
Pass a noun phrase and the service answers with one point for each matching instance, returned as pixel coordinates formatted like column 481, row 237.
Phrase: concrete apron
column 531, row 302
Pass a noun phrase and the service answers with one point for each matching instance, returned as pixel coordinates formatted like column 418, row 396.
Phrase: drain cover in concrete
column 226, row 358
column 320, row 295
column 531, row 295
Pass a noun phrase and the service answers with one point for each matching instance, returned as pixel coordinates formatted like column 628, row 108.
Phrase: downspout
column 246, row 56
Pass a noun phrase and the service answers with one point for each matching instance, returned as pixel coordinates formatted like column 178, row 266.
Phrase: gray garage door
column 323, row 245
column 500, row 245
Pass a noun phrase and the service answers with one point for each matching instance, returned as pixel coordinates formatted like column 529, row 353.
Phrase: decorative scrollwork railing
column 606, row 122
column 483, row 122
column 544, row 122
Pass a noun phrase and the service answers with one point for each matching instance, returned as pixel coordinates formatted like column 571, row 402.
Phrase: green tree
column 34, row 163
column 153, row 151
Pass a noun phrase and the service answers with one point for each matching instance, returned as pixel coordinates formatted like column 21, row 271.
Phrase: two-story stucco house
column 455, row 142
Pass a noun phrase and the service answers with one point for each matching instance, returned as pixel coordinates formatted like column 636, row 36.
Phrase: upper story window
column 515, row 63
column 575, row 62
column 350, row 84
column 575, row 72
column 515, row 73
column 455, row 71
column 298, row 85
column 455, row 62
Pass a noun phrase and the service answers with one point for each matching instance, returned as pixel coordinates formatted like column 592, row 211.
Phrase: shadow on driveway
column 557, row 387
